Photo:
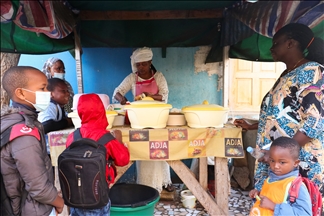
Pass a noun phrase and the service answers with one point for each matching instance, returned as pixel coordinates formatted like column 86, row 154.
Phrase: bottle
column 256, row 153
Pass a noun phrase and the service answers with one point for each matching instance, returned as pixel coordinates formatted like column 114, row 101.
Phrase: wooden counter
column 172, row 144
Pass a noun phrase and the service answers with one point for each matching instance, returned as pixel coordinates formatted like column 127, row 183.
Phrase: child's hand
column 265, row 202
column 253, row 193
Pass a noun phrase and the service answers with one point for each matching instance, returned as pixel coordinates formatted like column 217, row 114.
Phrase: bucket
column 188, row 199
column 132, row 200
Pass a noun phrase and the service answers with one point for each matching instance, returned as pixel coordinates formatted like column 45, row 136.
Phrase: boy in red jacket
column 93, row 126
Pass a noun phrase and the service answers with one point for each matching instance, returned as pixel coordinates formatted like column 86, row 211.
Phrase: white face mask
column 59, row 75
column 43, row 99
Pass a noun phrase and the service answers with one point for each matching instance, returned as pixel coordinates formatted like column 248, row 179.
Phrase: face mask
column 59, row 75
column 43, row 99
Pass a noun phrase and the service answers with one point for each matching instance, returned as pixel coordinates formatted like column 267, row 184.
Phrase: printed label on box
column 197, row 148
column 178, row 134
column 138, row 135
column 233, row 147
column 159, row 150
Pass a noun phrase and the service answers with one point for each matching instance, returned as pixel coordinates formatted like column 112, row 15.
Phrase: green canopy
column 137, row 33
column 257, row 47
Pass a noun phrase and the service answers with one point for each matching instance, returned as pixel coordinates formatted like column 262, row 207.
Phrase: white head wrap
column 47, row 64
column 140, row 55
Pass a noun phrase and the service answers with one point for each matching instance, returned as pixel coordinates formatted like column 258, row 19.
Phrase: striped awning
column 267, row 17
column 52, row 18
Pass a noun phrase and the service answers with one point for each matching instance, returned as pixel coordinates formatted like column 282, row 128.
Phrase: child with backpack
column 274, row 198
column 26, row 169
column 54, row 117
column 94, row 123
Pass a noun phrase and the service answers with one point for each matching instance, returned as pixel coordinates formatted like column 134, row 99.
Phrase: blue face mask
column 43, row 100
column 59, row 75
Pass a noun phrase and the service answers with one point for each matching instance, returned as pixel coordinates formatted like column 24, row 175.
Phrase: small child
column 94, row 123
column 54, row 117
column 273, row 198
column 25, row 166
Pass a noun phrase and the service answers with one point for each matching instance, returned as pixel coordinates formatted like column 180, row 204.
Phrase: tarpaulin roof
column 103, row 24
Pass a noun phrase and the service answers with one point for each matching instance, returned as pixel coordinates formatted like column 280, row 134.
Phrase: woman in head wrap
column 144, row 80
column 294, row 106
column 54, row 68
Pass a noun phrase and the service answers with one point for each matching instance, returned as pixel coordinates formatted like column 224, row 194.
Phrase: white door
column 249, row 82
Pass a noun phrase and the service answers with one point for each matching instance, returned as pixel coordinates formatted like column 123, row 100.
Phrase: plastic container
column 205, row 115
column 256, row 153
column 188, row 199
column 132, row 200
column 147, row 113
column 176, row 119
column 119, row 120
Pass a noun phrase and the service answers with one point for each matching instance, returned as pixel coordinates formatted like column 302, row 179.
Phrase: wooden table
column 172, row 145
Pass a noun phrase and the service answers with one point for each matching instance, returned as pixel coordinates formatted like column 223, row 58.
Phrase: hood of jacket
column 11, row 116
column 92, row 114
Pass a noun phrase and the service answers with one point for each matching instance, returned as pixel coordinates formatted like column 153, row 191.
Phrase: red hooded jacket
column 93, row 125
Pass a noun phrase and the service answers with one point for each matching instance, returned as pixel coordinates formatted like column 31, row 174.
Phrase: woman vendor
column 54, row 68
column 146, row 81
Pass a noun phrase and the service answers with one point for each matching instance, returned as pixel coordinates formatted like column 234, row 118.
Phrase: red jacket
column 93, row 125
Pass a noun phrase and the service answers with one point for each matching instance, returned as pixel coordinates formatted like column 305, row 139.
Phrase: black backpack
column 82, row 172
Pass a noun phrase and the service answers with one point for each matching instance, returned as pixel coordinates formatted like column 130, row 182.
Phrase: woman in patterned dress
column 294, row 106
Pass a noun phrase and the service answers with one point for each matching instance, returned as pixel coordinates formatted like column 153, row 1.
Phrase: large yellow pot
column 205, row 115
column 148, row 114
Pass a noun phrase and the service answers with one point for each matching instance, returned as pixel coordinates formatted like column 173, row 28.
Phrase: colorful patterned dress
column 295, row 102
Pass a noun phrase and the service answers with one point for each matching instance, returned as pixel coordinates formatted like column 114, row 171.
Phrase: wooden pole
column 78, row 53
column 8, row 60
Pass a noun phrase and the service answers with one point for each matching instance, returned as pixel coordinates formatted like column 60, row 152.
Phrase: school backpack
column 315, row 195
column 82, row 172
column 7, row 136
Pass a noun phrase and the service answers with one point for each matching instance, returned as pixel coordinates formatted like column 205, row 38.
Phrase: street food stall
column 150, row 137
column 173, row 144
column 87, row 24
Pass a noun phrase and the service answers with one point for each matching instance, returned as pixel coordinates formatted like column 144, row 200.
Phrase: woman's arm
column 244, row 125
column 51, row 125
column 163, row 87
column 120, row 98
column 311, row 112
column 156, row 97
column 301, row 138
column 123, row 88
